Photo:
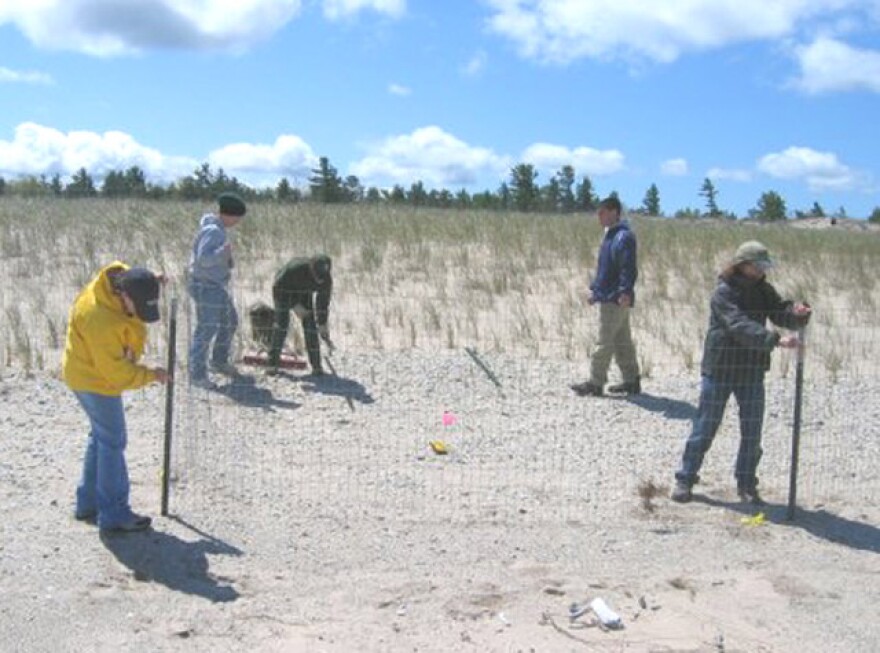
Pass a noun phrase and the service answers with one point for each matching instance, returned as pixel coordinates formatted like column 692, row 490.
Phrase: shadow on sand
column 332, row 385
column 671, row 408
column 820, row 523
column 243, row 389
column 155, row 556
column 338, row 386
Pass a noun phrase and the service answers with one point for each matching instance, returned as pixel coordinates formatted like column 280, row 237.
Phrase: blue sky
column 758, row 95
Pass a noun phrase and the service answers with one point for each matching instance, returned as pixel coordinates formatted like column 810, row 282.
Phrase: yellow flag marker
column 756, row 520
column 439, row 447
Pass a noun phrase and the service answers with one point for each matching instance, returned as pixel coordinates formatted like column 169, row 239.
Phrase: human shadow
column 670, row 408
column 243, row 389
column 820, row 523
column 156, row 556
column 339, row 386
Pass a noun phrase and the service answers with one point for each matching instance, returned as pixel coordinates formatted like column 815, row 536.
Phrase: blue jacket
column 616, row 269
column 210, row 262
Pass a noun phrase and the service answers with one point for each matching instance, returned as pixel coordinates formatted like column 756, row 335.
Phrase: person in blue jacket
column 613, row 289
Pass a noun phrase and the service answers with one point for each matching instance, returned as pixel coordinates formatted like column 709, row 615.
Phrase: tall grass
column 404, row 278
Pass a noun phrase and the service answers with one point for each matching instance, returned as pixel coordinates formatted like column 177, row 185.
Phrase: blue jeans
column 714, row 394
column 216, row 320
column 103, row 489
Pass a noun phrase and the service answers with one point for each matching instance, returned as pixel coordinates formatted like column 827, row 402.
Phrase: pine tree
column 770, row 207
column 565, row 179
column 81, row 185
column 710, row 193
column 651, row 203
column 325, row 184
column 523, row 189
column 585, row 196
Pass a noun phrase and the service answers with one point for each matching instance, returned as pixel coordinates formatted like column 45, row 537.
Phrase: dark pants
column 714, row 394
column 284, row 303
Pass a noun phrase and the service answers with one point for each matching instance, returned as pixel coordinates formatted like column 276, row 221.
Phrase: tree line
column 562, row 193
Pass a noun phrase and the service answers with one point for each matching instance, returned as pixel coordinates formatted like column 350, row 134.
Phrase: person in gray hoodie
column 210, row 268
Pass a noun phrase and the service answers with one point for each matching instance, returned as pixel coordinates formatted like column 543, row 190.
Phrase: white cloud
column 107, row 28
column 585, row 160
column 39, row 150
column 674, row 167
column 476, row 64
column 8, row 75
column 336, row 9
column 260, row 165
column 828, row 65
column 561, row 31
column 821, row 170
column 730, row 174
column 428, row 154
column 399, row 89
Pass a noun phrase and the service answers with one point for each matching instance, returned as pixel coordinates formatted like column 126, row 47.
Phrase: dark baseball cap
column 142, row 287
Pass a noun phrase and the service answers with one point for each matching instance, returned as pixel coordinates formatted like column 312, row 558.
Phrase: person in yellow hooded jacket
column 106, row 334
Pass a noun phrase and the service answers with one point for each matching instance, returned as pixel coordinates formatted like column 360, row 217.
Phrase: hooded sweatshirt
column 210, row 261
column 104, row 342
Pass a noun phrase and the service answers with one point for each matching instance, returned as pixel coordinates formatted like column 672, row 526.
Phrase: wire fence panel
column 520, row 445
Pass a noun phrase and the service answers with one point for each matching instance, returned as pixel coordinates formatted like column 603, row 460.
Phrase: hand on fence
column 803, row 311
column 789, row 342
column 161, row 375
column 625, row 300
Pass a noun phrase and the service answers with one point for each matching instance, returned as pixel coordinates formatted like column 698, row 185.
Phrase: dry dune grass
column 506, row 283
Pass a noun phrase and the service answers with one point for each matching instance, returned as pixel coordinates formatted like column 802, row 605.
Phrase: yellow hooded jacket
column 104, row 343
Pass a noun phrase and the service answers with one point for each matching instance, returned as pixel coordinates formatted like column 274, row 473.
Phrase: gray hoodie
column 211, row 260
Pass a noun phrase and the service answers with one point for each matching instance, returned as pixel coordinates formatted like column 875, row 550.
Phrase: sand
column 313, row 516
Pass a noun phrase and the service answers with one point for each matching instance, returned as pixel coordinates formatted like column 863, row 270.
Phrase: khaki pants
column 615, row 341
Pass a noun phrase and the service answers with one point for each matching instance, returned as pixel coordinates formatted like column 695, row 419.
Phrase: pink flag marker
column 449, row 419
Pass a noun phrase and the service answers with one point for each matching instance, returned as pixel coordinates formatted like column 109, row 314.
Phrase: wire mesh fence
column 367, row 440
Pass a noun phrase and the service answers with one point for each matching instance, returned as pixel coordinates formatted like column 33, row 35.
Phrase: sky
column 755, row 95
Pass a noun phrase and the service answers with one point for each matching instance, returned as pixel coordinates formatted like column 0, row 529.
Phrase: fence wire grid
column 362, row 441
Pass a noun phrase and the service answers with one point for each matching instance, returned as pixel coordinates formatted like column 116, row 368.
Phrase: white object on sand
column 607, row 616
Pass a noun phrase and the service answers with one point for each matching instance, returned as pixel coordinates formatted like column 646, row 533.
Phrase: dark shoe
column 626, row 388
column 133, row 523
column 87, row 517
column 587, row 389
column 682, row 492
column 750, row 495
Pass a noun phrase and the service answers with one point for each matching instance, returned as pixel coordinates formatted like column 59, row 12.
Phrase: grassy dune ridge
column 502, row 282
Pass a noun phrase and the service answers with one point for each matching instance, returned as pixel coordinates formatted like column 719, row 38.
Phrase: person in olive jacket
column 304, row 286
column 736, row 355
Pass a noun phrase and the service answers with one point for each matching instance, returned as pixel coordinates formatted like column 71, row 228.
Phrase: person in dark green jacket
column 736, row 355
column 304, row 286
